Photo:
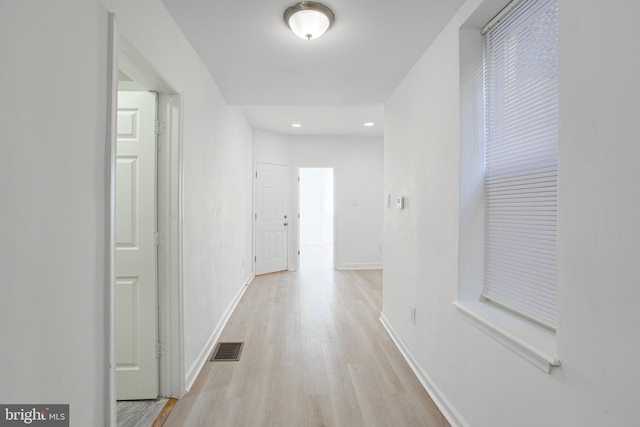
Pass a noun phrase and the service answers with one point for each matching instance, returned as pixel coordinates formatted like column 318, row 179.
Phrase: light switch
column 400, row 202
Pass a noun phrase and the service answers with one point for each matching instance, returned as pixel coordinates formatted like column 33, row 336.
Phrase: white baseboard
column 450, row 413
column 249, row 279
column 196, row 367
column 359, row 266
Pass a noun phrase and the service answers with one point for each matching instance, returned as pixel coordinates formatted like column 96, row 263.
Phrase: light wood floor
column 315, row 354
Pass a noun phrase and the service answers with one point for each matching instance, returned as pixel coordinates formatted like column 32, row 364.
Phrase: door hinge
column 255, row 259
column 158, row 350
column 160, row 127
column 256, row 174
column 298, row 179
column 157, row 238
column 256, row 217
column 298, row 252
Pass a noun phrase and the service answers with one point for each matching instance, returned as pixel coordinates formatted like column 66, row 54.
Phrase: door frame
column 124, row 54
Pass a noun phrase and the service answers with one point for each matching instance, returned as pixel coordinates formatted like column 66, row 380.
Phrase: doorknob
column 286, row 223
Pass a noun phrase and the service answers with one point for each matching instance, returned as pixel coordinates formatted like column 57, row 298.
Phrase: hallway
column 315, row 354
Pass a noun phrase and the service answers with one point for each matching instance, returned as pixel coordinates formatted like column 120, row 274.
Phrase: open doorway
column 132, row 76
column 316, row 226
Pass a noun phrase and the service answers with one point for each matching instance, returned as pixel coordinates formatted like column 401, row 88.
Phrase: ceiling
column 331, row 85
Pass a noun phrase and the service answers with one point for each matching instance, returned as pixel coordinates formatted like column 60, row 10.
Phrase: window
column 520, row 72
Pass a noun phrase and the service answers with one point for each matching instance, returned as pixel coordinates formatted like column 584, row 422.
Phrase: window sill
column 533, row 342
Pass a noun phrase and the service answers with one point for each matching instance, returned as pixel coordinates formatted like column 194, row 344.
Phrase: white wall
column 358, row 175
column 54, row 192
column 478, row 380
column 271, row 147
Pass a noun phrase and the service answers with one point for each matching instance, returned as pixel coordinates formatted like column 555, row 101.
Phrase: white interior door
column 136, row 254
column 272, row 222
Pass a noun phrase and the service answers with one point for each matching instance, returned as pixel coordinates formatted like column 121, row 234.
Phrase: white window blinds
column 521, row 135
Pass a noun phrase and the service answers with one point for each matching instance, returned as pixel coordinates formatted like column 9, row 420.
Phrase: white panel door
column 272, row 204
column 136, row 255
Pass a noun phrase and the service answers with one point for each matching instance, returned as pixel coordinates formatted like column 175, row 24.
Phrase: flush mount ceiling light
column 308, row 19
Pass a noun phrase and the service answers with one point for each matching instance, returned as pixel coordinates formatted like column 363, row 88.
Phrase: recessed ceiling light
column 369, row 124
column 296, row 125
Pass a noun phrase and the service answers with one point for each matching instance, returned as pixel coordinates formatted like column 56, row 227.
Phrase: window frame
column 526, row 338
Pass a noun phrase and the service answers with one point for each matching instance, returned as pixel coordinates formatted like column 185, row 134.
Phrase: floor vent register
column 227, row 352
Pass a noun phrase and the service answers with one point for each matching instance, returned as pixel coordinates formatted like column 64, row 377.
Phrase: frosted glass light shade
column 309, row 20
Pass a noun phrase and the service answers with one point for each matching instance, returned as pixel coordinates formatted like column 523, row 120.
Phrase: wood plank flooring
column 315, row 354
column 139, row 413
